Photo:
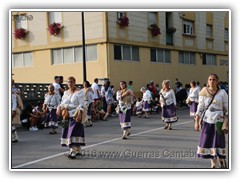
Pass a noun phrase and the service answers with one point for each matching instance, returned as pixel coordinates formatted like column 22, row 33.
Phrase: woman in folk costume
column 73, row 109
column 51, row 102
column 213, row 108
column 17, row 107
column 192, row 99
column 124, row 97
column 147, row 98
column 89, row 101
column 109, row 99
column 168, row 104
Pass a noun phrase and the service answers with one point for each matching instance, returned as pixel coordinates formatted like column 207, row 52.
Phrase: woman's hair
column 107, row 85
column 216, row 76
column 193, row 83
column 165, row 82
column 87, row 83
column 71, row 78
column 125, row 84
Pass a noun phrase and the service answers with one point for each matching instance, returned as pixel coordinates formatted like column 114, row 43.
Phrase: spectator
column 29, row 113
column 57, row 88
column 130, row 85
column 89, row 101
column 95, row 88
column 109, row 99
column 42, row 115
column 61, row 85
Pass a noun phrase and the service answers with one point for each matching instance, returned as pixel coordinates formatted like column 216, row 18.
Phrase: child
column 139, row 106
column 97, row 111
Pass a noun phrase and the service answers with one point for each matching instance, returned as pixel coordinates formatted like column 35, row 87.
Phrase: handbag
column 188, row 101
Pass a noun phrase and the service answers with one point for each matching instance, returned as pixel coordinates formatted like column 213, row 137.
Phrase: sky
column 123, row 4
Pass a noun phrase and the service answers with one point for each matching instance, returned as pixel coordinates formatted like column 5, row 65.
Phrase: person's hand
column 196, row 122
column 59, row 111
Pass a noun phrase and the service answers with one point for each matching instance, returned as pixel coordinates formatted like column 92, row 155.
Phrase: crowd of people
column 74, row 109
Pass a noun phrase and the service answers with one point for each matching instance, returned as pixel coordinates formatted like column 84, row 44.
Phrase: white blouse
column 52, row 100
column 73, row 101
column 193, row 94
column 169, row 97
column 216, row 110
column 147, row 96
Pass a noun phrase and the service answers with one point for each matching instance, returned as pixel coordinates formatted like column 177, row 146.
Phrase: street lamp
column 83, row 48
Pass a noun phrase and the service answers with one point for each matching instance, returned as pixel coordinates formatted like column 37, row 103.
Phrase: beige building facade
column 191, row 45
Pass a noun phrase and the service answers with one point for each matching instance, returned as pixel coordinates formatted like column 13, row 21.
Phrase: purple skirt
column 73, row 135
column 125, row 119
column 193, row 108
column 169, row 114
column 51, row 119
column 211, row 143
column 146, row 106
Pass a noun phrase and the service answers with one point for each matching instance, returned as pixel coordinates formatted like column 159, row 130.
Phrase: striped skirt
column 73, row 135
column 211, row 143
column 193, row 108
column 125, row 119
column 169, row 114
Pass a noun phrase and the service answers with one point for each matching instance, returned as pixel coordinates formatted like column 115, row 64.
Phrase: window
column 125, row 52
column 209, row 31
column 152, row 18
column 22, row 59
column 55, row 17
column 120, row 15
column 188, row 27
column 160, row 55
column 186, row 58
column 73, row 55
column 209, row 59
column 225, row 34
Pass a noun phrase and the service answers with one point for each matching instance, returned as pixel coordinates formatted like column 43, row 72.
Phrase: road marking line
column 93, row 145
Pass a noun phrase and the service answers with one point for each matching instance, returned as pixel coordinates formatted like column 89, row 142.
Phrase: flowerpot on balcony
column 155, row 30
column 20, row 33
column 123, row 21
column 55, row 28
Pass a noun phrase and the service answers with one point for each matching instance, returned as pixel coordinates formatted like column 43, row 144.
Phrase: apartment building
column 124, row 45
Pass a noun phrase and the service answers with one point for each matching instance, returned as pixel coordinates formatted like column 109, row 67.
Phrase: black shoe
column 14, row 140
column 124, row 137
column 53, row 132
column 128, row 134
column 72, row 155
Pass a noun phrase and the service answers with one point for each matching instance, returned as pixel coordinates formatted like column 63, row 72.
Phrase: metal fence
column 32, row 93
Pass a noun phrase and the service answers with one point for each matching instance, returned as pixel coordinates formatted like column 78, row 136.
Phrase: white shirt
column 120, row 102
column 73, row 101
column 52, row 100
column 169, row 97
column 147, row 96
column 95, row 89
column 14, row 102
column 56, row 88
column 216, row 110
column 193, row 94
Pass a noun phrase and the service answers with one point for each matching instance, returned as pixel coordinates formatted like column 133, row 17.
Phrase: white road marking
column 93, row 145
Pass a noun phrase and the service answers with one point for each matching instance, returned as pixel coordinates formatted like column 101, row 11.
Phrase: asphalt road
column 149, row 147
